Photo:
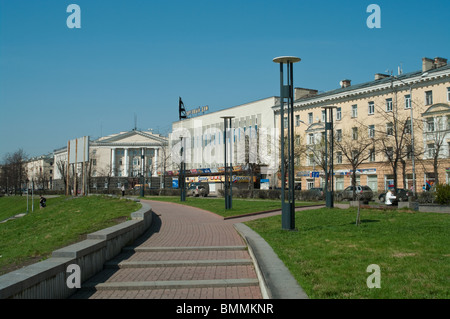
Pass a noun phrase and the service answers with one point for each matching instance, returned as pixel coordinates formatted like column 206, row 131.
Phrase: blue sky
column 136, row 57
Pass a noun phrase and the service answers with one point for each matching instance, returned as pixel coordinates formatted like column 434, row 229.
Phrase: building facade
column 250, row 142
column 374, row 141
column 115, row 160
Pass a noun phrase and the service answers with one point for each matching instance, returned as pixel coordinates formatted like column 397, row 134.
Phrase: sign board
column 315, row 174
column 78, row 150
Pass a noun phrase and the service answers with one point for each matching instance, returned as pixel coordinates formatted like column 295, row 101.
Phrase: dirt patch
column 401, row 255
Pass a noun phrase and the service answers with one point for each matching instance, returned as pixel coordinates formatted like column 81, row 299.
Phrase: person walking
column 123, row 190
column 42, row 202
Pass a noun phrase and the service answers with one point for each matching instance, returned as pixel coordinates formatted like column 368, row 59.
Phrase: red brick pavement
column 181, row 226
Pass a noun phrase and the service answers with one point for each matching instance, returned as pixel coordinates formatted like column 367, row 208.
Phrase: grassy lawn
column 217, row 205
column 62, row 222
column 329, row 255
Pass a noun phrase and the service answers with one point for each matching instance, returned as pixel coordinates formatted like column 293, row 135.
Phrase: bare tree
column 14, row 171
column 357, row 145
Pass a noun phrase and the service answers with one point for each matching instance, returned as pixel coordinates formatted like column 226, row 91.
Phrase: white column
column 126, row 162
column 113, row 162
column 156, row 162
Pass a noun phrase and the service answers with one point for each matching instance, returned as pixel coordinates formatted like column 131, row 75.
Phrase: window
column 311, row 159
column 354, row 110
column 372, row 155
column 389, row 152
column 407, row 101
column 354, row 133
column 310, row 118
column 389, row 129
column 428, row 97
column 297, row 139
column 310, row 184
column 310, row 138
column 371, row 131
column 285, row 122
column 339, row 157
column 297, row 120
column 408, row 151
column 338, row 113
column 339, row 135
column 408, row 126
column 371, row 108
column 388, row 105
column 430, row 150
column 430, row 125
column 448, row 94
column 355, row 155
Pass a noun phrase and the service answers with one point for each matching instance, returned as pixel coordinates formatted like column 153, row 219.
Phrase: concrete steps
column 203, row 271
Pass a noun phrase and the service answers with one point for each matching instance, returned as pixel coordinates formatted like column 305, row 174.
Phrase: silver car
column 362, row 193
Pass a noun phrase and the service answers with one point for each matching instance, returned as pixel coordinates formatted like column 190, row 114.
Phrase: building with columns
column 116, row 160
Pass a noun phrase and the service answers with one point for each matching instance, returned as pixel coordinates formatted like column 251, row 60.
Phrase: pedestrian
column 424, row 188
column 123, row 190
column 42, row 202
column 389, row 197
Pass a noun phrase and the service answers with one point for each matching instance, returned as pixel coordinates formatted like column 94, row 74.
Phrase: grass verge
column 217, row 205
column 65, row 220
column 329, row 255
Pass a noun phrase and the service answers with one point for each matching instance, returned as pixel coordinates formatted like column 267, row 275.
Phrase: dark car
column 401, row 195
column 316, row 193
column 364, row 193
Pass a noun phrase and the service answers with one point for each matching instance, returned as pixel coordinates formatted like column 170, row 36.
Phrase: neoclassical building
column 116, row 160
column 377, row 115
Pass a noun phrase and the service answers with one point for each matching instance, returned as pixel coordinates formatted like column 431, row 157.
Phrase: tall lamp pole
column 182, row 175
column 329, row 168
column 228, row 168
column 287, row 92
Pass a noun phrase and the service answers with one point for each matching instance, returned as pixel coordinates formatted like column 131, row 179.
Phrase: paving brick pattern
column 179, row 233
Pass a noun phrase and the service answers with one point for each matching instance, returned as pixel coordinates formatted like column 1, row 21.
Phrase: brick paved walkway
column 187, row 253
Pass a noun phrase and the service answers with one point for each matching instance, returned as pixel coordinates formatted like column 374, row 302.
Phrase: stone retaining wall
column 47, row 279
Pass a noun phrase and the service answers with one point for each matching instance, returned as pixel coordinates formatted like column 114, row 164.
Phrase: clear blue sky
column 138, row 56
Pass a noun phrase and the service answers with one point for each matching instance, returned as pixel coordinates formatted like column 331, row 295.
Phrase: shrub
column 443, row 194
column 426, row 197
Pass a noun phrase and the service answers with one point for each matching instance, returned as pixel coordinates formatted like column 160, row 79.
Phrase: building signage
column 200, row 109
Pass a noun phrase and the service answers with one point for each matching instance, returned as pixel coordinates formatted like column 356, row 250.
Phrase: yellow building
column 372, row 127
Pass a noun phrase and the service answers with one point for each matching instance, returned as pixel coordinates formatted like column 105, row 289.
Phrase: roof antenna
column 135, row 122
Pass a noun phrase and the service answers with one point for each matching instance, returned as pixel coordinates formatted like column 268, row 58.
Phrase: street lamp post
column 287, row 92
column 182, row 175
column 329, row 193
column 228, row 183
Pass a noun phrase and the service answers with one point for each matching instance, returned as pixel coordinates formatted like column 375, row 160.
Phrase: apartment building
column 372, row 123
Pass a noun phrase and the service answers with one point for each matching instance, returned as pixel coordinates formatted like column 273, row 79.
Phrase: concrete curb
column 276, row 280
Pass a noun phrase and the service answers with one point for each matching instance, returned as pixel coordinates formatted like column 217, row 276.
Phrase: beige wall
column 377, row 93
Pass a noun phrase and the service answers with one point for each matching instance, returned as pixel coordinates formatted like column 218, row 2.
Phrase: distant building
column 116, row 160
column 39, row 171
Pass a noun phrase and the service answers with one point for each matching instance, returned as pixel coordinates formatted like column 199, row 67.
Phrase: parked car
column 362, row 193
column 316, row 193
column 198, row 189
column 401, row 196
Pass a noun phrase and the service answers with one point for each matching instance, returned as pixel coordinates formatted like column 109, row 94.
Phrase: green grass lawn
column 62, row 222
column 329, row 255
column 217, row 205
